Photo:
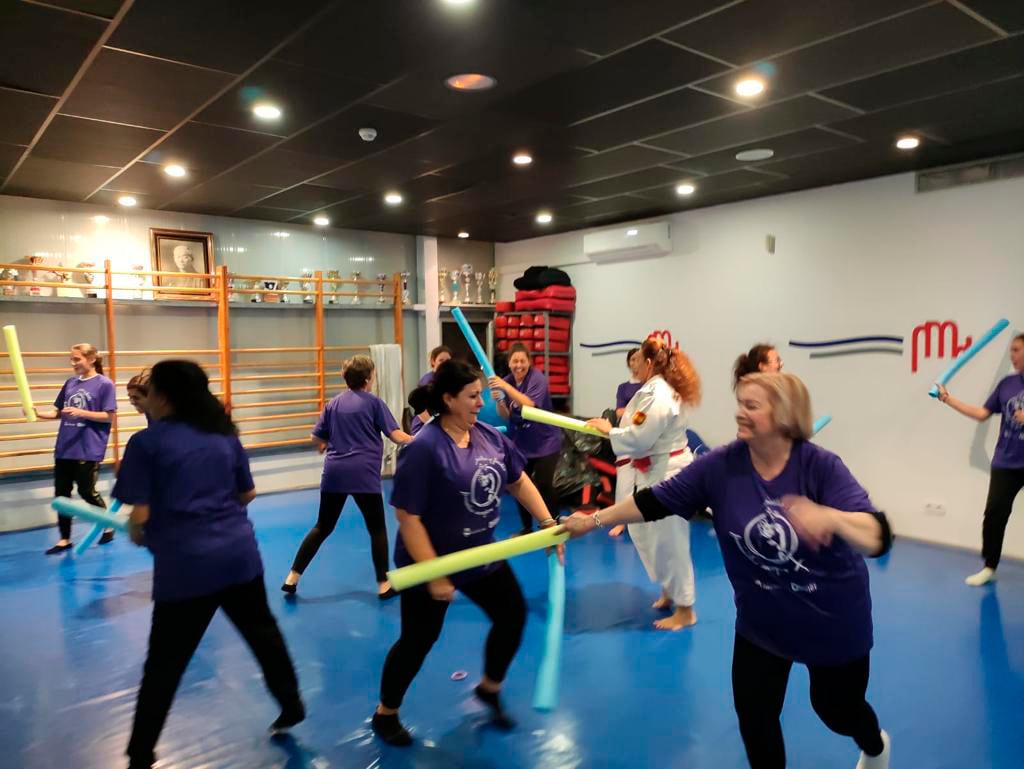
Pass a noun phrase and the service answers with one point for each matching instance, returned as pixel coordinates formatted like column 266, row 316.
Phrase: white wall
column 858, row 259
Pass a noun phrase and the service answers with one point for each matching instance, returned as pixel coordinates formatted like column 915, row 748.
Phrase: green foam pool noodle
column 567, row 423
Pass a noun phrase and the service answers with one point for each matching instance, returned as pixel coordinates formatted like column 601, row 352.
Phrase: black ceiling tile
column 282, row 168
column 9, row 155
column 616, row 205
column 706, row 186
column 782, row 117
column 229, row 35
column 105, row 8
column 378, row 172
column 964, row 69
column 219, row 196
column 930, row 115
column 150, row 179
column 43, row 47
column 41, row 177
column 265, row 213
column 1007, row 14
column 306, row 197
column 922, row 34
column 644, row 70
column 806, row 142
column 207, row 148
column 22, row 113
column 110, row 198
column 746, row 32
column 93, row 142
column 620, row 161
column 637, row 180
column 138, row 90
column 304, row 96
column 843, row 164
column 339, row 136
column 656, row 116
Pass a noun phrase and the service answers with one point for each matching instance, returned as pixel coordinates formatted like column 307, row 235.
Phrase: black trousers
column 177, row 629
column 372, row 508
column 759, row 681
column 542, row 472
column 1003, row 486
column 501, row 599
column 68, row 473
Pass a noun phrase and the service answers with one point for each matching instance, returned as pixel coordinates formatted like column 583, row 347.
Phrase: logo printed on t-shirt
column 484, row 488
column 769, row 541
column 1014, row 428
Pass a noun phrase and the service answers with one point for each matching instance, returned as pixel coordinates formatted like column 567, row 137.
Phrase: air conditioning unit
column 628, row 242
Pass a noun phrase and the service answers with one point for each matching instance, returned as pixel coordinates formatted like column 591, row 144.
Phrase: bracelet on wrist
column 596, row 518
column 548, row 522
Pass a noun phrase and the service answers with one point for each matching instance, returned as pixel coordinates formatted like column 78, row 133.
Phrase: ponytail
column 186, row 389
column 750, row 362
column 676, row 367
column 449, row 379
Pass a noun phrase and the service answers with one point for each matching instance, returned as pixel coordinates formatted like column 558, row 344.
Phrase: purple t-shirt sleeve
column 840, row 490
column 415, row 425
column 107, row 397
column 385, row 419
column 412, row 478
column 322, row 429
column 686, row 493
column 134, row 477
column 515, row 462
column 243, row 475
column 58, row 402
column 994, row 403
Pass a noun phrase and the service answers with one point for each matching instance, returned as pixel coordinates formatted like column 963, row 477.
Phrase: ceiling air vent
column 970, row 173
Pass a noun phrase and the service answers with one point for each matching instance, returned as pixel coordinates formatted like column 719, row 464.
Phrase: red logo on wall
column 933, row 330
column 663, row 336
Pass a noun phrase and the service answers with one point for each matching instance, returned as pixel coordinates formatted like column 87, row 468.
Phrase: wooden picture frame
column 181, row 251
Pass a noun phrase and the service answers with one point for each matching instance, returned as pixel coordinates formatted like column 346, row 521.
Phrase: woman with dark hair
column 138, row 391
column 187, row 479
column 447, row 493
column 349, row 430
column 762, row 358
column 1007, row 474
column 651, row 445
column 438, row 355
column 541, row 444
column 85, row 406
column 793, row 525
column 625, row 392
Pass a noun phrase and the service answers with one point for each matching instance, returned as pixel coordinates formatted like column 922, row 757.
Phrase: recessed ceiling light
column 544, row 218
column 631, row 233
column 750, row 86
column 522, row 159
column 458, row 2
column 321, row 221
column 685, row 189
column 463, row 234
column 266, row 111
column 101, row 219
column 175, row 170
column 471, row 81
column 282, row 234
column 762, row 153
column 392, row 198
column 908, row 142
column 127, row 200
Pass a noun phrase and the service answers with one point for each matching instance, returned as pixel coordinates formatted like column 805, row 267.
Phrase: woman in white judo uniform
column 651, row 446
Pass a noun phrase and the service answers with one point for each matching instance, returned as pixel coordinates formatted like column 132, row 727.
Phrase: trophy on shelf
column 406, row 297
column 140, row 281
column 356, row 276
column 334, row 281
column 33, row 275
column 467, row 276
column 12, row 275
column 307, row 285
column 442, row 283
column 492, row 283
column 381, row 279
column 270, row 285
column 456, row 277
column 88, row 277
column 479, row 288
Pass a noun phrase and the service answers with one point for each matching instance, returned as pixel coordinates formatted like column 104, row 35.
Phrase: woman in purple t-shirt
column 793, row 524
column 349, row 431
column 1007, row 475
column 541, row 444
column 438, row 355
column 447, row 496
column 85, row 407
column 187, row 480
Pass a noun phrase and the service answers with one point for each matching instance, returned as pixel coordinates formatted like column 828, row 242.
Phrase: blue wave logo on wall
column 853, row 345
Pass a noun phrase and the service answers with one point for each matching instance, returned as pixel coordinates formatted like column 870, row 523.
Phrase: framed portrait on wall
column 181, row 251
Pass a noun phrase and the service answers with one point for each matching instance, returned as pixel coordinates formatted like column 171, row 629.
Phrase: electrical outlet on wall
column 934, row 508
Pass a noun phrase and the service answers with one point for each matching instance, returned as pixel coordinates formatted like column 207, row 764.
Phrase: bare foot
column 616, row 531
column 383, row 587
column 682, row 617
column 662, row 603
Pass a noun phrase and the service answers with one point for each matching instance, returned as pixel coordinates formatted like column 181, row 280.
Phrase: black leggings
column 542, row 472
column 68, row 473
column 759, row 680
column 372, row 508
column 1003, row 486
column 497, row 593
column 178, row 626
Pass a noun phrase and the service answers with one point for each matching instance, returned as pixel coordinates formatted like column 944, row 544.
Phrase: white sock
column 983, row 577
column 881, row 761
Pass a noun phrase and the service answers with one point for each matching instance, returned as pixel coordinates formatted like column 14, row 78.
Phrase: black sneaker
column 290, row 716
column 388, row 594
column 498, row 716
column 390, row 729
column 57, row 549
column 106, row 538
column 289, row 589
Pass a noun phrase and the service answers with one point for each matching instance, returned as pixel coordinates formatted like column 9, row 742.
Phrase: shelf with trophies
column 455, row 288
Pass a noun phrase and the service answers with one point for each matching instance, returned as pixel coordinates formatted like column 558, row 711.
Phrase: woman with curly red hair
column 651, row 446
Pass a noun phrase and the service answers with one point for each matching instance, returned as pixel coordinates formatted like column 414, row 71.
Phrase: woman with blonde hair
column 651, row 445
column 793, row 525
